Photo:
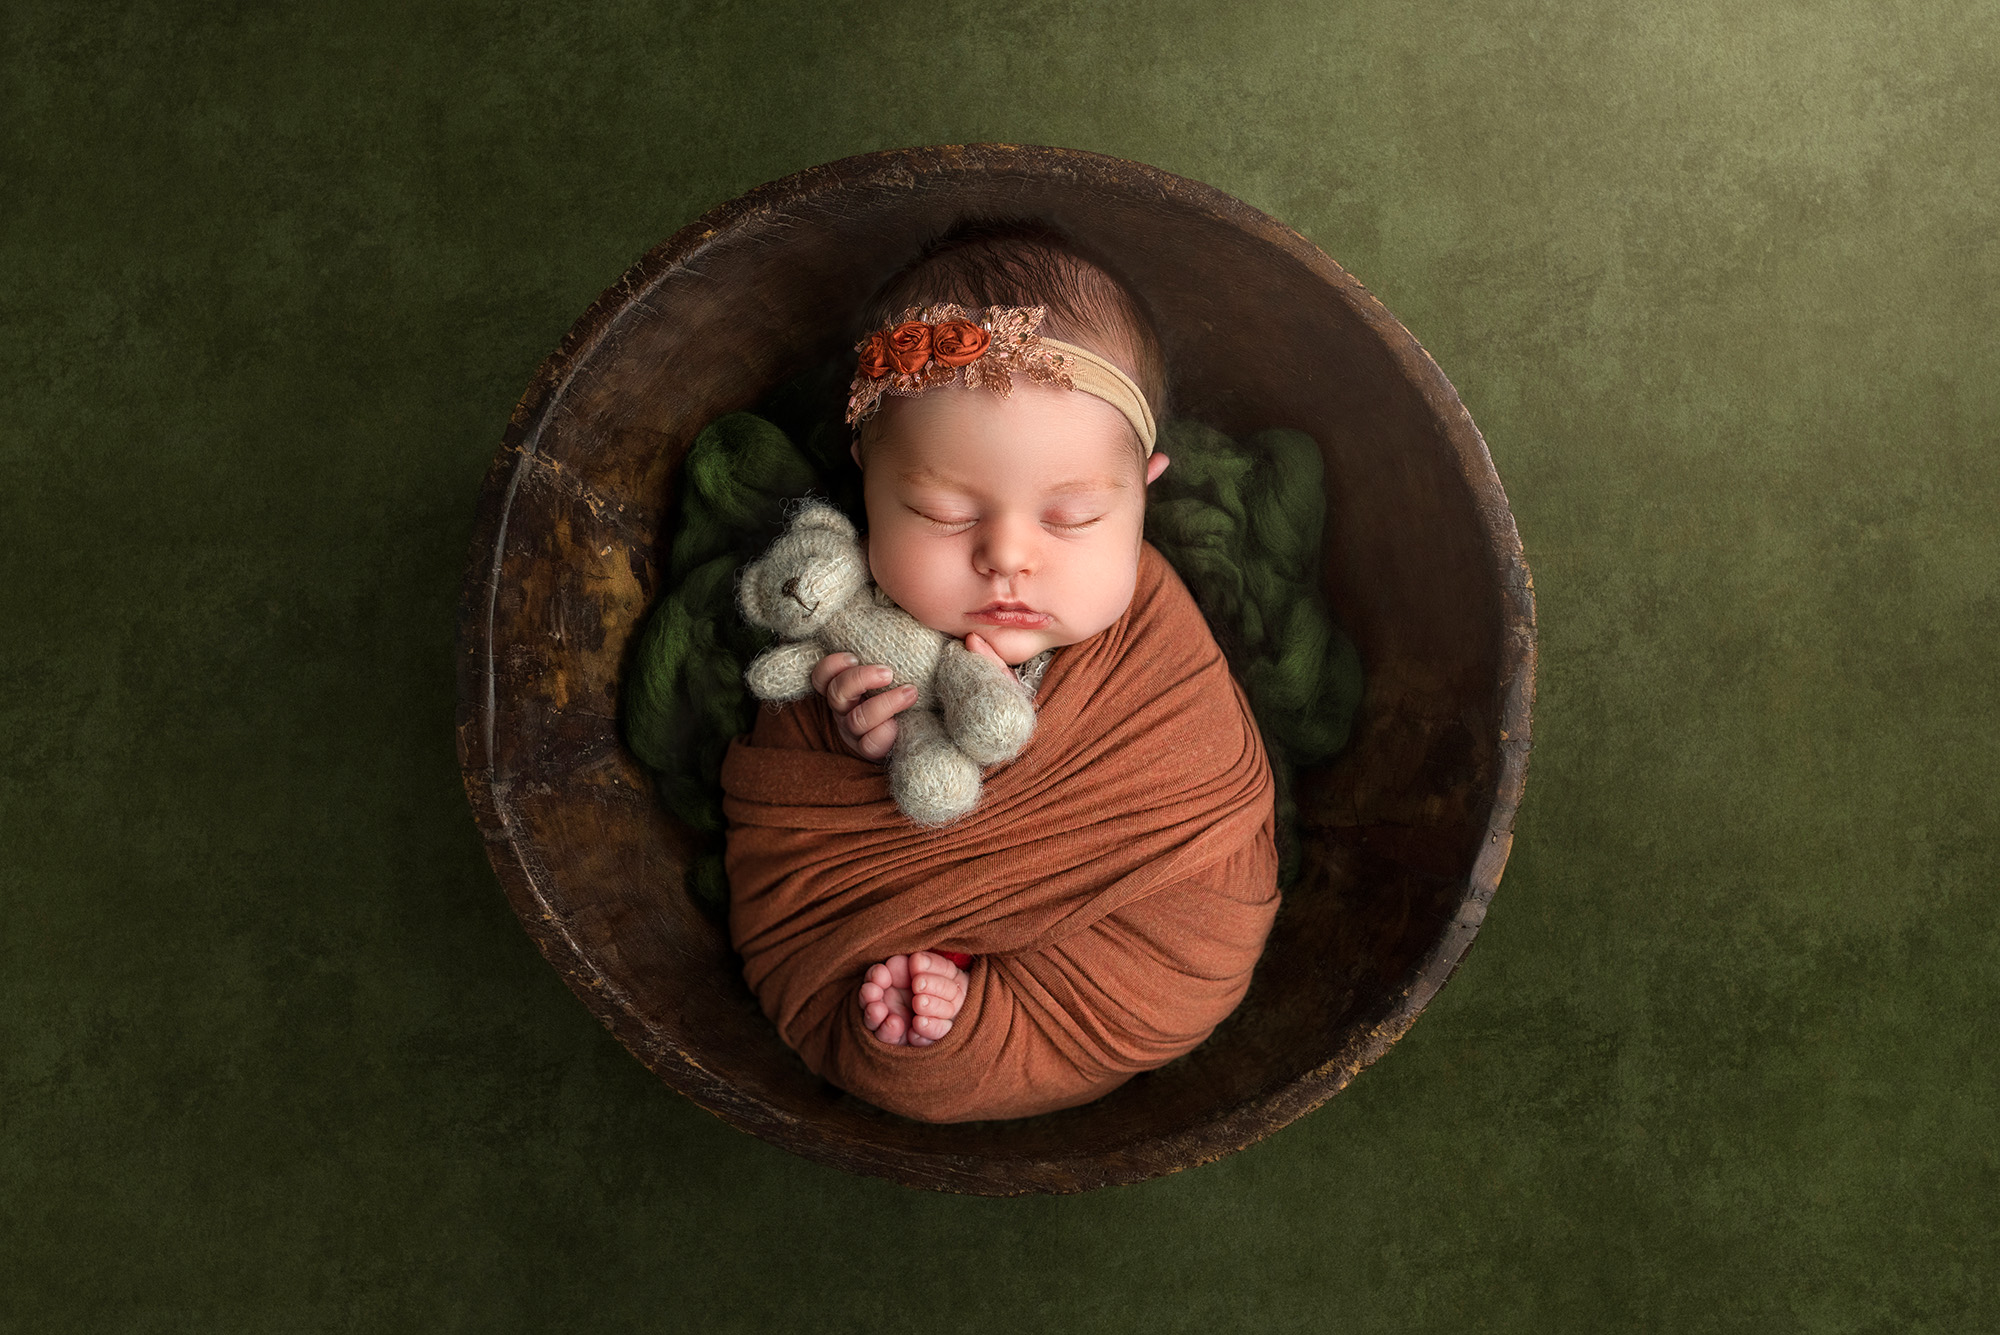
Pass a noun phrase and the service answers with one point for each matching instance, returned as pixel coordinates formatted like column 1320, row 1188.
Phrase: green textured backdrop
column 1717, row 280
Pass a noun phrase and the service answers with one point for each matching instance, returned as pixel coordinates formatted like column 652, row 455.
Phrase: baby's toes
column 898, row 969
column 874, row 1012
column 928, row 1003
column 924, row 964
column 927, row 1029
column 877, row 1001
column 885, row 1005
column 938, row 976
column 939, row 987
column 887, row 984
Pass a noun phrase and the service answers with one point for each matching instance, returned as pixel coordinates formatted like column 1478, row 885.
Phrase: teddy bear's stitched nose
column 790, row 588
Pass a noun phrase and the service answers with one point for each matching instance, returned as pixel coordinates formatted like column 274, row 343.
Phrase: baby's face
column 1018, row 519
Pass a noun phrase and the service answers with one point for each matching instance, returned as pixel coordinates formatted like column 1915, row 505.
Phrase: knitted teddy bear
column 812, row 588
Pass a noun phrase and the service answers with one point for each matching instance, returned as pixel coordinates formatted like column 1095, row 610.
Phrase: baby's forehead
column 948, row 473
column 1052, row 438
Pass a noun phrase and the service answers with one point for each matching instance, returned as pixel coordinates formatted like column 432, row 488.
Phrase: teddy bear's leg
column 986, row 709
column 933, row 781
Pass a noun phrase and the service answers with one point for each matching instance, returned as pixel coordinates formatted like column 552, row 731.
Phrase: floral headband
column 938, row 345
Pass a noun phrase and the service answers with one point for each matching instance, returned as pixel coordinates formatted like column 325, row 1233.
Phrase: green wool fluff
column 1240, row 520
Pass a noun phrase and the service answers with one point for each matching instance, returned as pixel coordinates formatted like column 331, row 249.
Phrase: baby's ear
column 1156, row 466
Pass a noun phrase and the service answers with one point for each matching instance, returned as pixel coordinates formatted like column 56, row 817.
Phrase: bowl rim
column 1227, row 1129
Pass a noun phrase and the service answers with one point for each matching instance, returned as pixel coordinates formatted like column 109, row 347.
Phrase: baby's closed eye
column 946, row 520
column 1071, row 519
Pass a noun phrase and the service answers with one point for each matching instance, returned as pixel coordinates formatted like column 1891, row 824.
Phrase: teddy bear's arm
column 785, row 672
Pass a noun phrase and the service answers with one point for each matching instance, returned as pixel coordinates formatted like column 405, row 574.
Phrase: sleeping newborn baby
column 1102, row 909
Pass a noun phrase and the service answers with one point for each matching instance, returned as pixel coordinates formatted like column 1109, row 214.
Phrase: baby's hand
column 978, row 645
column 864, row 712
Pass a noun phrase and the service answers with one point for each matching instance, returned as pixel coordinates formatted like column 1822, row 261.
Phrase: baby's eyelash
column 959, row 525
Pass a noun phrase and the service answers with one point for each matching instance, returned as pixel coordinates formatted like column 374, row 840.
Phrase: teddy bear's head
column 807, row 576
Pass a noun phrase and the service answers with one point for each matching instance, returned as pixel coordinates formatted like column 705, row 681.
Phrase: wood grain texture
column 1407, row 832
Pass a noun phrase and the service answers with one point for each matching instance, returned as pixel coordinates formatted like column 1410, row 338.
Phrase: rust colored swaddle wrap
column 1115, row 883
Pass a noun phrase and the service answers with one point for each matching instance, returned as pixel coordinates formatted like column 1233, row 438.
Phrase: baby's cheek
column 1109, row 583
column 916, row 578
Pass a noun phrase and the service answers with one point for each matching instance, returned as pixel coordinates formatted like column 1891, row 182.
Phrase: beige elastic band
column 1093, row 375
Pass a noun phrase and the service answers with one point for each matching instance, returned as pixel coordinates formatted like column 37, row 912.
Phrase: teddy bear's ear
column 818, row 514
column 749, row 594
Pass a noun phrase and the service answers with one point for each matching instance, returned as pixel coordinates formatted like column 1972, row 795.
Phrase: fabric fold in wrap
column 1115, row 884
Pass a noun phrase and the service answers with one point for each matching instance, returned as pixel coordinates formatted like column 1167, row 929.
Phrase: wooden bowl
column 1406, row 833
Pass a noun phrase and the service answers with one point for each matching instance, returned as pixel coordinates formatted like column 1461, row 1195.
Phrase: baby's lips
column 1011, row 618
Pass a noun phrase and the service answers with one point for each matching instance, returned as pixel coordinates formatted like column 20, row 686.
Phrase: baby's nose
column 1004, row 551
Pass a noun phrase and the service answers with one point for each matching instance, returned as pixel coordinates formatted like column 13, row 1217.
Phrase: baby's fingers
column 978, row 645
column 851, row 687
column 877, row 742
column 830, row 667
column 879, row 708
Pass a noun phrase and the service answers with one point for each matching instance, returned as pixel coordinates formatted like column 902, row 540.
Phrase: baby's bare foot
column 937, row 993
column 885, row 1000
column 912, row 999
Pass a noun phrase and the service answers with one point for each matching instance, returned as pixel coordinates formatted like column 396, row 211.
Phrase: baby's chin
column 1016, row 645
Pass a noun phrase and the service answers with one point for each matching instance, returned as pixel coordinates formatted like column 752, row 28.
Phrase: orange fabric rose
column 957, row 342
column 875, row 357
column 910, row 346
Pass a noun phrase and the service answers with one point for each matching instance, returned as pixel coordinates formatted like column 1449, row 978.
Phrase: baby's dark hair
column 1026, row 262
